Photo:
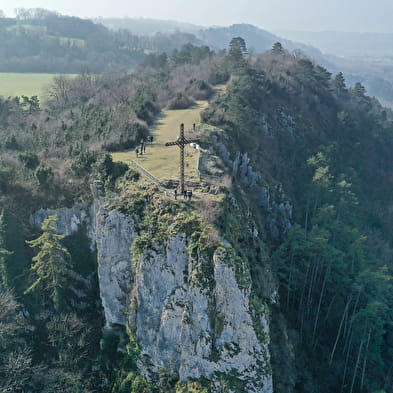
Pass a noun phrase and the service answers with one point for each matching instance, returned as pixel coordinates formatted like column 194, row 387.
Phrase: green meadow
column 17, row 84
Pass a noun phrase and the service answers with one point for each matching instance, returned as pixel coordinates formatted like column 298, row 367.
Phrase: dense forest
column 326, row 145
column 330, row 146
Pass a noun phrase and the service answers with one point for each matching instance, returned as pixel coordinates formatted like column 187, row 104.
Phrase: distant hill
column 216, row 37
column 257, row 39
column 362, row 57
column 345, row 43
column 146, row 26
column 44, row 41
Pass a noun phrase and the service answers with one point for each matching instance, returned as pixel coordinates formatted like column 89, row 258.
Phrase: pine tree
column 338, row 84
column 51, row 265
column 277, row 48
column 4, row 274
column 238, row 44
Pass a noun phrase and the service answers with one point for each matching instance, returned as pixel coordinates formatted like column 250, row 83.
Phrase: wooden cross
column 181, row 142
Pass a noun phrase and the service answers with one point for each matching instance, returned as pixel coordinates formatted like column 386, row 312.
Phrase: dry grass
column 162, row 161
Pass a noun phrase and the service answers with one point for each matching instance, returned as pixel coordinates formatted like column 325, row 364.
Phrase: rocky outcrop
column 68, row 219
column 271, row 199
column 193, row 321
column 115, row 233
column 189, row 314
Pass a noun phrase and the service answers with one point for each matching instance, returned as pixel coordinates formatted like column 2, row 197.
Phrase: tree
column 359, row 90
column 52, row 266
column 339, row 84
column 30, row 160
column 70, row 336
column 59, row 89
column 277, row 48
column 238, row 44
column 4, row 274
column 43, row 174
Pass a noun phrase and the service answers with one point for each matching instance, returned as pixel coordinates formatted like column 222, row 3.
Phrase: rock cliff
column 190, row 311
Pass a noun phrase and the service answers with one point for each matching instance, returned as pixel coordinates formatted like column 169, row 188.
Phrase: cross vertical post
column 182, row 145
column 181, row 142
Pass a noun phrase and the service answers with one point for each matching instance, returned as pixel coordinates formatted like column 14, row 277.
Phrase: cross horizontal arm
column 187, row 141
column 181, row 142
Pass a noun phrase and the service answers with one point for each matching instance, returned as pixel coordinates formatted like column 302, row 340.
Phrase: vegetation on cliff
column 330, row 148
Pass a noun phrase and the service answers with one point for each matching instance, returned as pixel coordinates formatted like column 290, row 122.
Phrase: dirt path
column 161, row 161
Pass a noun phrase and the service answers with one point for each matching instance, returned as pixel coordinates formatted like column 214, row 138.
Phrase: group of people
column 187, row 194
column 142, row 148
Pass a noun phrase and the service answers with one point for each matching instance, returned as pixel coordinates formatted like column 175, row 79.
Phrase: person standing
column 185, row 194
column 175, row 194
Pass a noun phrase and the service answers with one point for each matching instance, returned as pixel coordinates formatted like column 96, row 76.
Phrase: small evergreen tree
column 238, row 44
column 4, row 275
column 51, row 265
column 277, row 48
column 339, row 84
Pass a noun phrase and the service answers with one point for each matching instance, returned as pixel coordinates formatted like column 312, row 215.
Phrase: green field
column 17, row 84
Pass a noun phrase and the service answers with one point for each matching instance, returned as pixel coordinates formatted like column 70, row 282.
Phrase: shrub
column 200, row 90
column 218, row 77
column 44, row 174
column 82, row 163
column 181, row 101
column 30, row 160
column 11, row 143
column 128, row 138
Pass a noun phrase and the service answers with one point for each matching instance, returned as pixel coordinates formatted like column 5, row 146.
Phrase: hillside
column 363, row 57
column 40, row 41
column 43, row 41
column 345, row 44
column 215, row 37
column 276, row 277
column 146, row 26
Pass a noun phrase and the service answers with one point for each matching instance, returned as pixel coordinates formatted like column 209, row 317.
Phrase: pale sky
column 313, row 15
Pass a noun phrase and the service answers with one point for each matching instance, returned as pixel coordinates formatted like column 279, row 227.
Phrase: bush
column 200, row 90
column 218, row 77
column 11, row 143
column 5, row 177
column 44, row 174
column 83, row 163
column 132, row 175
column 181, row 101
column 109, row 170
column 145, row 110
column 128, row 138
column 30, row 160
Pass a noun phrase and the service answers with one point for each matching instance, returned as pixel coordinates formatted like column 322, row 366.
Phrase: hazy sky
column 317, row 15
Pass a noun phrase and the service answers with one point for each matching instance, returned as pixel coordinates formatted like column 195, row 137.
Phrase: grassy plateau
column 163, row 161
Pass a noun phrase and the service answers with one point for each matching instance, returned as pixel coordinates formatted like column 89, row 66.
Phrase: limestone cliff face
column 114, row 235
column 189, row 312
column 193, row 321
